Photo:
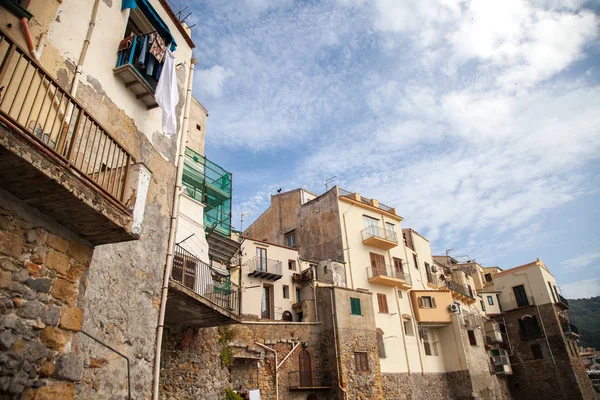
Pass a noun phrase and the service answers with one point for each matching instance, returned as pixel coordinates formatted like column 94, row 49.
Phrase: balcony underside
column 562, row 305
column 34, row 175
column 265, row 275
column 462, row 297
column 187, row 308
column 137, row 84
column 390, row 281
column 379, row 242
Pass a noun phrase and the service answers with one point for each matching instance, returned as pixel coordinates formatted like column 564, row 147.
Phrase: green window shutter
column 355, row 306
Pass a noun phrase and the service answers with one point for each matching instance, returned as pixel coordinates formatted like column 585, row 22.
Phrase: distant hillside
column 585, row 313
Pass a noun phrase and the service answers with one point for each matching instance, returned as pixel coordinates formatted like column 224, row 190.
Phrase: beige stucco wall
column 252, row 287
column 197, row 127
column 535, row 280
column 440, row 313
column 493, row 309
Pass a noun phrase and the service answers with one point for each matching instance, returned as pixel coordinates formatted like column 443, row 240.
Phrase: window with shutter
column 472, row 339
column 420, row 301
column 382, row 302
column 355, row 306
column 536, row 350
column 433, row 305
column 361, row 360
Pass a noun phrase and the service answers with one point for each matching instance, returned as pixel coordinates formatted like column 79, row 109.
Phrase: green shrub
column 231, row 395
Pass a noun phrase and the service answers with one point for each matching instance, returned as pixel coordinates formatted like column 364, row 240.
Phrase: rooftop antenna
column 242, row 215
column 328, row 181
column 448, row 252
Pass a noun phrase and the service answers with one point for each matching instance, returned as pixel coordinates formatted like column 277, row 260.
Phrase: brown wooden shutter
column 433, row 302
column 420, row 300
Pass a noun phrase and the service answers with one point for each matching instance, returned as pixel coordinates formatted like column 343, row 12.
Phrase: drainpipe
column 540, row 315
column 27, row 33
column 348, row 246
column 417, row 331
column 84, row 49
column 402, row 329
column 276, row 373
column 172, row 229
column 337, row 358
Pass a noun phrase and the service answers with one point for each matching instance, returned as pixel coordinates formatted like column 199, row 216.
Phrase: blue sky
column 479, row 121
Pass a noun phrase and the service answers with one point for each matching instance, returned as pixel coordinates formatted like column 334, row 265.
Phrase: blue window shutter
column 355, row 306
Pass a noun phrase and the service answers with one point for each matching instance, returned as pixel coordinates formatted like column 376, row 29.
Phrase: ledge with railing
column 308, row 380
column 570, row 329
column 212, row 284
column 265, row 268
column 513, row 304
column 34, row 104
column 562, row 302
column 431, row 277
column 460, row 289
column 379, row 232
column 388, row 271
column 364, row 200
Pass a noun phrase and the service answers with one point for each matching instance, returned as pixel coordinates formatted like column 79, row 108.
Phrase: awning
column 156, row 21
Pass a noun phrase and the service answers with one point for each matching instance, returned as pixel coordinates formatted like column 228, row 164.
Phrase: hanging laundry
column 143, row 50
column 151, row 64
column 158, row 48
column 166, row 94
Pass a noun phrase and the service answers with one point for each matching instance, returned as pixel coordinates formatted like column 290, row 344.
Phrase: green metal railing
column 210, row 184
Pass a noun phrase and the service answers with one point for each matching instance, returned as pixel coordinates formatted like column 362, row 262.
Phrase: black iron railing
column 570, row 329
column 458, row 288
column 212, row 284
column 562, row 301
column 35, row 104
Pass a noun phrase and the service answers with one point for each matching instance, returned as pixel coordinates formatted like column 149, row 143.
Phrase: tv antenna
column 242, row 215
column 328, row 181
column 448, row 252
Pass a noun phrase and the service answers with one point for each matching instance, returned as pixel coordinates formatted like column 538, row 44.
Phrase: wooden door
column 377, row 264
column 305, row 368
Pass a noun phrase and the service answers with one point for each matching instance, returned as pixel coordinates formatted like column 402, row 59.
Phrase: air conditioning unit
column 453, row 308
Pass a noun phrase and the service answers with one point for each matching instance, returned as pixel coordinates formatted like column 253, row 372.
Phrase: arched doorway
column 305, row 368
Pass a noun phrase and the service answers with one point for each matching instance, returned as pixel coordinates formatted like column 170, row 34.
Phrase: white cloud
column 415, row 104
column 582, row 289
column 211, row 81
column 581, row 261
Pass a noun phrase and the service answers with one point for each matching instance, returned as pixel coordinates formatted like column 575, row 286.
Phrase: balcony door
column 377, row 264
column 305, row 368
column 261, row 259
column 520, row 296
column 266, row 305
column 398, row 271
column 371, row 226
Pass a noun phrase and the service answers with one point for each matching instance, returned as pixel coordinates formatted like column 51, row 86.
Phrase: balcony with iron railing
column 308, row 380
column 389, row 276
column 513, row 303
column 570, row 329
column 562, row 302
column 432, row 280
column 56, row 157
column 265, row 268
column 366, row 201
column 382, row 238
column 200, row 295
column 461, row 292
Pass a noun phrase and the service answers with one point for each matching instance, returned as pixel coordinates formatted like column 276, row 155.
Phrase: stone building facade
column 82, row 266
column 544, row 363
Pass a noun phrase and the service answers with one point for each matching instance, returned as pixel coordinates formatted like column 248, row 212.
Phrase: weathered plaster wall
column 43, row 278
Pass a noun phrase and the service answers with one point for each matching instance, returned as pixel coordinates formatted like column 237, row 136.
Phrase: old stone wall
column 43, row 278
column 415, row 386
column 557, row 375
column 253, row 366
column 319, row 231
column 191, row 365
